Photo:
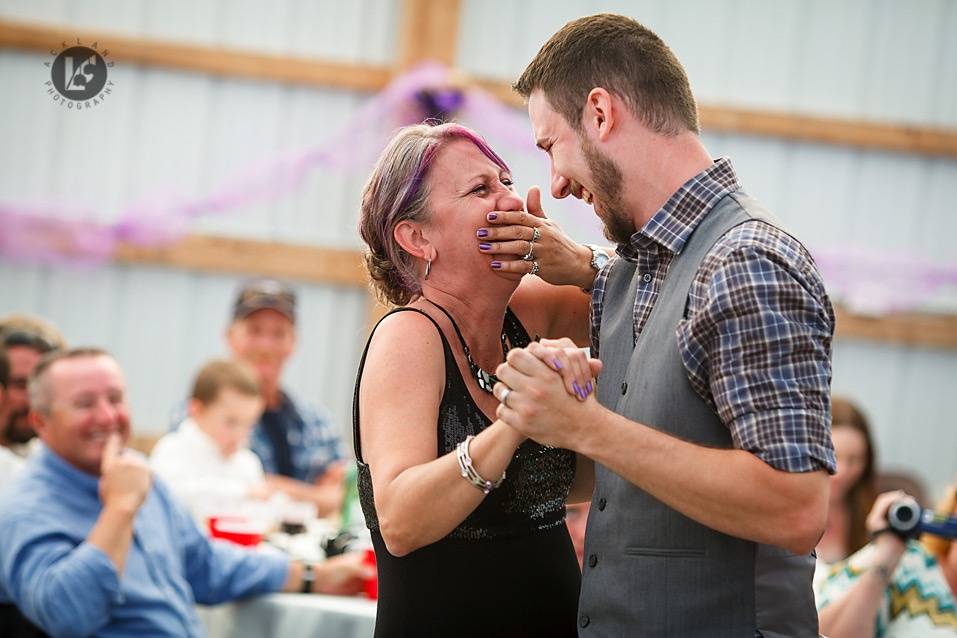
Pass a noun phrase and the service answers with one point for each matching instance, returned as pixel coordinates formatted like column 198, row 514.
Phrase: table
column 311, row 615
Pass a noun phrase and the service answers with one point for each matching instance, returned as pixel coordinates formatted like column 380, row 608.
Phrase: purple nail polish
column 482, row 232
column 577, row 388
column 492, row 216
column 557, row 364
column 484, row 246
column 589, row 388
column 496, row 265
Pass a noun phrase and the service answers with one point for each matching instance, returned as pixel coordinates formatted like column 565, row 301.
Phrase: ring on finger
column 530, row 255
column 535, row 268
column 536, row 235
column 504, row 398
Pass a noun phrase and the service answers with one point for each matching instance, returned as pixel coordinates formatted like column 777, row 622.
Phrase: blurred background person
column 298, row 446
column 10, row 463
column 853, row 487
column 894, row 588
column 24, row 338
column 92, row 545
column 207, row 462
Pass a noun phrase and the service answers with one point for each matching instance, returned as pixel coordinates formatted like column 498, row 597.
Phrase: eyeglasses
column 29, row 340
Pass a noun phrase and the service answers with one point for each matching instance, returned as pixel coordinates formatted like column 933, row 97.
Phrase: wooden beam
column 429, row 31
column 908, row 329
column 345, row 267
column 887, row 136
column 884, row 136
column 199, row 58
column 205, row 253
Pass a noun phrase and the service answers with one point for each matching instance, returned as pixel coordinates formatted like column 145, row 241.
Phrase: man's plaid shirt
column 756, row 337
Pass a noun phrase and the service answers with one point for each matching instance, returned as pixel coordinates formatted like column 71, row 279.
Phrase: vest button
column 583, row 620
column 601, row 504
column 624, row 387
column 647, row 277
column 592, row 560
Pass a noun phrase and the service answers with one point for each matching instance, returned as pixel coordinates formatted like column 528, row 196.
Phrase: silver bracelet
column 468, row 470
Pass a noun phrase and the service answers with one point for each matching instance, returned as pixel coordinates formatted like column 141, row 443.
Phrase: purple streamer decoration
column 868, row 282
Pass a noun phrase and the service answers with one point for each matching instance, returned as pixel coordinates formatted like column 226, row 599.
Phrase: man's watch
column 598, row 260
column 308, row 577
column 598, row 257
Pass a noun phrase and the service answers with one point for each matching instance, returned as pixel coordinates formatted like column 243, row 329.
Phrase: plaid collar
column 674, row 222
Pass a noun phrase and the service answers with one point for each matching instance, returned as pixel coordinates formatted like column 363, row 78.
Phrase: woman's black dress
column 509, row 569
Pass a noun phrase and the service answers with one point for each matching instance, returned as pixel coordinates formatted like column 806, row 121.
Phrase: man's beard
column 17, row 430
column 608, row 182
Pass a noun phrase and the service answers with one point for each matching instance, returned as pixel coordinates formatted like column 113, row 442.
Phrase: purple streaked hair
column 397, row 191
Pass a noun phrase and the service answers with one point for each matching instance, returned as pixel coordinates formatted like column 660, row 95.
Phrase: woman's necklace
column 485, row 380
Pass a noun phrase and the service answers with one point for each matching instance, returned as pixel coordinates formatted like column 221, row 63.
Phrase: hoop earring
column 428, row 268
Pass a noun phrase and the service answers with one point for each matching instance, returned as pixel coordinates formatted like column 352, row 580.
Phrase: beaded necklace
column 485, row 380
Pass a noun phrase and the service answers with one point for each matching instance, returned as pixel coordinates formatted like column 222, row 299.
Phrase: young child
column 206, row 461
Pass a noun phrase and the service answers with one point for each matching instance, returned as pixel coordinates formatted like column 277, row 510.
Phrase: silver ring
column 530, row 255
column 504, row 398
column 535, row 268
column 536, row 235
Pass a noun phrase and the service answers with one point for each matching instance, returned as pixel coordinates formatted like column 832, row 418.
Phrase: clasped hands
column 546, row 391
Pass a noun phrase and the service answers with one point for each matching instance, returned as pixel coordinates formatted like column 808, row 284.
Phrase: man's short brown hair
column 620, row 55
column 219, row 374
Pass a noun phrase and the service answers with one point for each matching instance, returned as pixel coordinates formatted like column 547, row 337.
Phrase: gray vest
column 650, row 571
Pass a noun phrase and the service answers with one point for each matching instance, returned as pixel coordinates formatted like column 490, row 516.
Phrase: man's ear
column 40, row 424
column 228, row 333
column 194, row 408
column 409, row 236
column 601, row 113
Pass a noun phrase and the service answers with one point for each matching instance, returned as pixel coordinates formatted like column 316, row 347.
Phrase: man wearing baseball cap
column 298, row 445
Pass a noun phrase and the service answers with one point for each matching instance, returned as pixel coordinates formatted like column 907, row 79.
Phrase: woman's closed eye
column 483, row 189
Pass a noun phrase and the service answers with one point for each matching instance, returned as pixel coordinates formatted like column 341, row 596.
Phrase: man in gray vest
column 711, row 429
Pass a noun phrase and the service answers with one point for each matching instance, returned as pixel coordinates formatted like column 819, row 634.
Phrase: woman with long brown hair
column 853, row 487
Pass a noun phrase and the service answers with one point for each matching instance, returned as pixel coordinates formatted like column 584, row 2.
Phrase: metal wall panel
column 169, row 134
column 164, row 133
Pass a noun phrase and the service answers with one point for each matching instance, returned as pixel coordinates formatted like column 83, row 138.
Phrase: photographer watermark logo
column 78, row 76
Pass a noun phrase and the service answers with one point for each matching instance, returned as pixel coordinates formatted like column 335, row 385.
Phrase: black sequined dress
column 509, row 569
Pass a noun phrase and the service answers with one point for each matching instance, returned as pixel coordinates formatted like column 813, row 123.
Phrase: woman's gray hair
column 398, row 190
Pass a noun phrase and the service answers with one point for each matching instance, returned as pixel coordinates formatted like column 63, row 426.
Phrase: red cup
column 235, row 529
column 371, row 585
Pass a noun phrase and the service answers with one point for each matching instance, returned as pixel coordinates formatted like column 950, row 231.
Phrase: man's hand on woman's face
column 510, row 236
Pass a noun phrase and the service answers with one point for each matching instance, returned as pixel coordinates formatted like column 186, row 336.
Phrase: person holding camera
column 894, row 587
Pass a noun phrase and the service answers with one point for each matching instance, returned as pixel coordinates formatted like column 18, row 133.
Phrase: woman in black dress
column 467, row 517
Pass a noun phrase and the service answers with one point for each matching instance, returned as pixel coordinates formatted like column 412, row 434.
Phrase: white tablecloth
column 310, row 615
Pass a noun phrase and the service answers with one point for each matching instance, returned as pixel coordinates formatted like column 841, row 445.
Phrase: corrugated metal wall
column 171, row 132
column 893, row 61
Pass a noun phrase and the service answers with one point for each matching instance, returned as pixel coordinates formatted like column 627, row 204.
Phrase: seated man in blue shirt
column 92, row 545
column 299, row 447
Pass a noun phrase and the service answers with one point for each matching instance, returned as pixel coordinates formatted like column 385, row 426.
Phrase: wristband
column 308, row 577
column 877, row 532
